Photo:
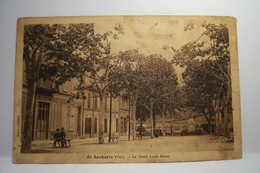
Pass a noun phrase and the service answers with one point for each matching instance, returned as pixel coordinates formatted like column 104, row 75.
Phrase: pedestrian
column 101, row 137
column 139, row 132
column 56, row 138
column 63, row 138
column 156, row 132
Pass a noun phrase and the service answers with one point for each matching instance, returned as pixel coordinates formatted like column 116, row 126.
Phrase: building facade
column 80, row 118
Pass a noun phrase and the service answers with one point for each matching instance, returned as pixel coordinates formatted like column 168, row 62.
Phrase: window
column 43, row 111
column 95, row 125
column 124, row 104
column 88, row 125
column 95, row 101
column 105, row 125
column 117, row 124
column 89, row 101
column 79, row 121
column 123, row 124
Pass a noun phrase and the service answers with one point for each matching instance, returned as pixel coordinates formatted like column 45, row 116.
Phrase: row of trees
column 207, row 77
column 147, row 80
column 62, row 52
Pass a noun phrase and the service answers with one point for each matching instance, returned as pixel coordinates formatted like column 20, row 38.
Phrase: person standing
column 63, row 138
column 101, row 137
column 56, row 138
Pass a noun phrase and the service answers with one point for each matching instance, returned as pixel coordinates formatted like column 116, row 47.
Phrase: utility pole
column 110, row 119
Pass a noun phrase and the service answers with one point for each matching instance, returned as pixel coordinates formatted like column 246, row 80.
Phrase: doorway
column 42, row 121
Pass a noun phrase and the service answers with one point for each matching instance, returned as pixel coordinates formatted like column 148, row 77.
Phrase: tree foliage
column 41, row 43
column 60, row 52
column 145, row 80
column 159, row 84
column 207, row 77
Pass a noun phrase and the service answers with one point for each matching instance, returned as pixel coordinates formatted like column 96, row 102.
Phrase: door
column 88, row 126
column 42, row 121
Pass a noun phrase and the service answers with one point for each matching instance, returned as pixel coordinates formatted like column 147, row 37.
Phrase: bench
column 68, row 141
column 59, row 141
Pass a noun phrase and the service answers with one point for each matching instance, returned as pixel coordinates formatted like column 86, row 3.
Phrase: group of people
column 59, row 137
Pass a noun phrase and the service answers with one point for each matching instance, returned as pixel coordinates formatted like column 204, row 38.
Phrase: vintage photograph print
column 126, row 89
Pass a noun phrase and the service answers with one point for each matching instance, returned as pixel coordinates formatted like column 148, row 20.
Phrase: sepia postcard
column 126, row 89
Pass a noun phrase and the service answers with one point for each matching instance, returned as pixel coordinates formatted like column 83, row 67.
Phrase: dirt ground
column 163, row 144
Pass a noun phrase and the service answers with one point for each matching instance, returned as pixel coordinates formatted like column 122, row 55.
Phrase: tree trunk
column 102, row 115
column 152, row 119
column 217, row 117
column 163, row 119
column 226, row 101
column 209, row 123
column 133, row 113
column 28, row 123
column 101, row 122
column 171, row 124
column 83, row 119
column 226, row 120
column 226, row 97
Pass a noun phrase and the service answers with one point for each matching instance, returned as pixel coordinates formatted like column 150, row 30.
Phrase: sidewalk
column 77, row 141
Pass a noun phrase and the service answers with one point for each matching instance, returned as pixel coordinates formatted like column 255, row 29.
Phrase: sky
column 149, row 34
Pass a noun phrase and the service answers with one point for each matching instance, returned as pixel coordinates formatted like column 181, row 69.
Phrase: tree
column 128, row 80
column 212, row 44
column 95, row 70
column 168, row 102
column 52, row 52
column 203, row 82
column 144, row 80
column 158, row 83
column 41, row 43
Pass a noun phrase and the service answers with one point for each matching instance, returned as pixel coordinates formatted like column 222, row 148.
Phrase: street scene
column 126, row 84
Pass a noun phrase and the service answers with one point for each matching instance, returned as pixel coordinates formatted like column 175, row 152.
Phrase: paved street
column 164, row 144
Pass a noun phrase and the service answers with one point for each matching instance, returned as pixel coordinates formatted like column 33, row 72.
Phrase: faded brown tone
column 160, row 35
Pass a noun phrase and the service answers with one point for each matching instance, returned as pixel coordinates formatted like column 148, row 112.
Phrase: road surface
column 146, row 145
